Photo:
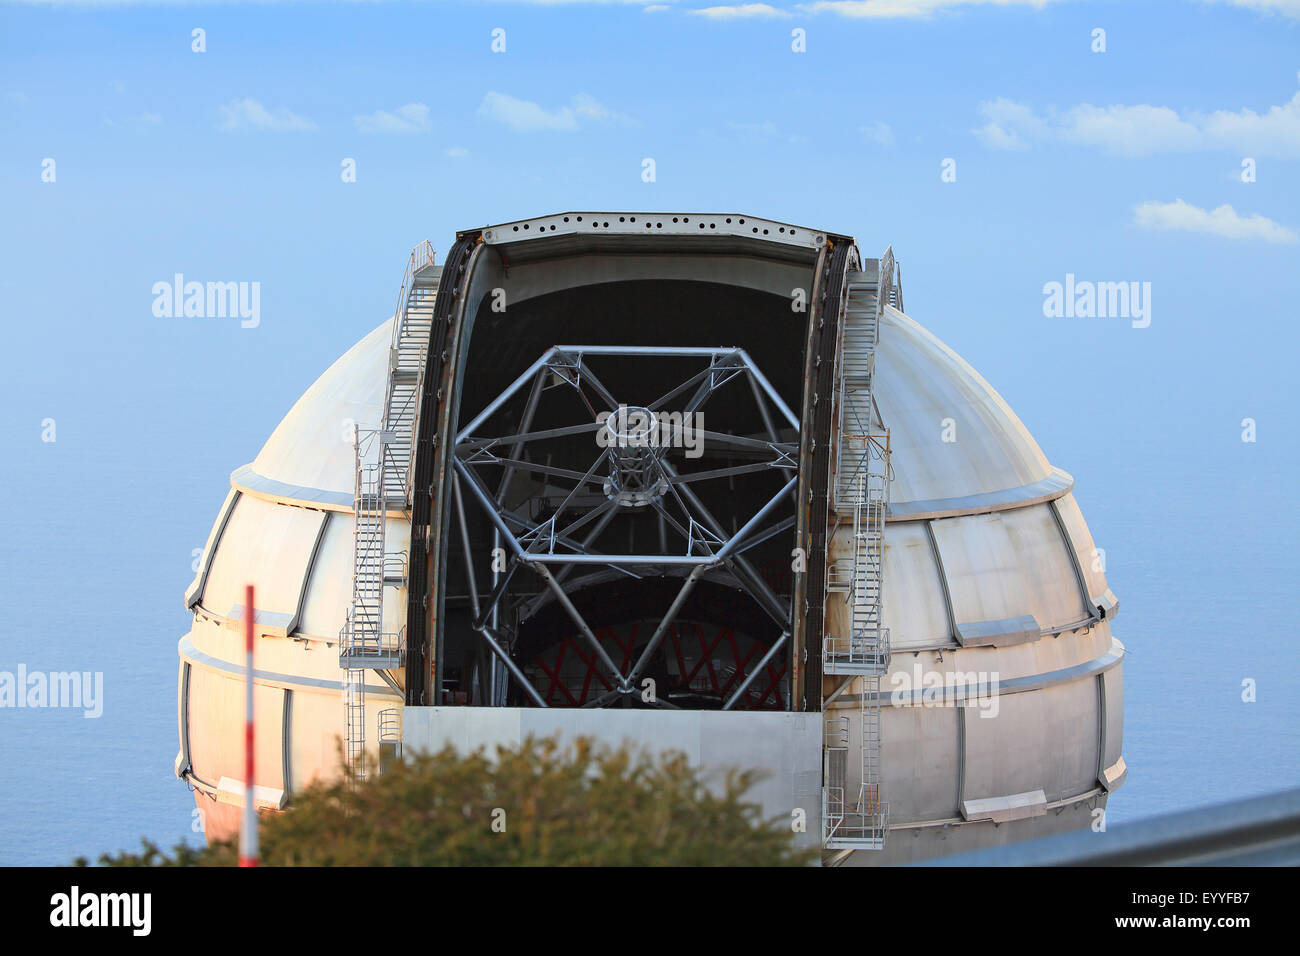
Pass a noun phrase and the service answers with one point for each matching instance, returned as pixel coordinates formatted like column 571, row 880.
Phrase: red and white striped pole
column 248, row 833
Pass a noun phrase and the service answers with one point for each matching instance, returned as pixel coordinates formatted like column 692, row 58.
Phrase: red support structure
column 720, row 651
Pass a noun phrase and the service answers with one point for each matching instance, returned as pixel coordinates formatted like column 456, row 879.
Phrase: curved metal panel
column 312, row 445
column 1046, row 567
column 266, row 545
column 329, row 591
column 953, row 435
column 530, row 280
column 269, row 678
column 907, row 697
column 921, row 759
column 1055, row 485
column 195, row 594
column 1092, row 560
column 916, row 611
column 983, row 573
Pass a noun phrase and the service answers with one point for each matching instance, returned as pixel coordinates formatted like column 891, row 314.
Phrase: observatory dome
column 992, row 579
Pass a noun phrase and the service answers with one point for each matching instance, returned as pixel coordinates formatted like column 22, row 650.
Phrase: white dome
column 990, row 567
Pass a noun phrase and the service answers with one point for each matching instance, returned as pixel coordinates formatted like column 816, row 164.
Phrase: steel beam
column 758, row 669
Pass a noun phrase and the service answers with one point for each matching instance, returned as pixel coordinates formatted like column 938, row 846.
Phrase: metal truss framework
column 632, row 471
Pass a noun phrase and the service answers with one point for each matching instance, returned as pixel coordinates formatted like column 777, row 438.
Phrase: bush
column 535, row 805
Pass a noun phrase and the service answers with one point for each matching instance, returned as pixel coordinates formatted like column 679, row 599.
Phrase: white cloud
column 888, row 9
column 740, row 11
column 525, row 116
column 878, row 132
column 456, row 152
column 411, row 118
column 1288, row 8
column 588, row 108
column 1142, row 130
column 1009, row 125
column 1223, row 221
column 250, row 114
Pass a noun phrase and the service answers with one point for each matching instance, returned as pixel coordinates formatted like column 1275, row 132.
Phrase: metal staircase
column 406, row 371
column 383, row 477
column 861, row 481
column 861, row 490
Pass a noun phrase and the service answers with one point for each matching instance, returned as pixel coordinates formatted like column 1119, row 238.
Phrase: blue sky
column 226, row 165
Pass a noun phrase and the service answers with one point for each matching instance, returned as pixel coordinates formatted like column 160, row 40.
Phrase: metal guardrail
column 390, row 726
column 421, row 257
column 853, row 825
column 405, row 374
column 385, row 650
column 1258, row 831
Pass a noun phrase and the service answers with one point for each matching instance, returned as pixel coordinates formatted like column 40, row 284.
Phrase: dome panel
column 266, row 545
column 920, row 383
column 921, row 745
column 988, row 590
column 915, row 609
column 215, row 752
column 1092, row 562
column 1046, row 566
column 312, row 445
column 329, row 592
column 1036, row 741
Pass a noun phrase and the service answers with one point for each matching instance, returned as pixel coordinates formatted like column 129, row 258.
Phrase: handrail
column 420, row 258
column 884, row 281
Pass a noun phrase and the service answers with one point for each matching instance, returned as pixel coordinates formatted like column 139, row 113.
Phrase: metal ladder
column 384, row 478
column 362, row 637
column 862, row 491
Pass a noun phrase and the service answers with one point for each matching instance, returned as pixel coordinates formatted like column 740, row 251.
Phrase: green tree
column 538, row 804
